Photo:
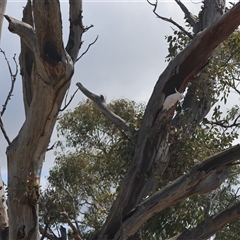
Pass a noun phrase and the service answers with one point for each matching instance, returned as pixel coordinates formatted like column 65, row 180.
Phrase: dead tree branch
column 87, row 49
column 24, row 30
column 4, row 131
column 76, row 29
column 203, row 178
column 169, row 19
column 13, row 80
column 206, row 229
column 70, row 100
column 118, row 121
column 191, row 19
column 188, row 62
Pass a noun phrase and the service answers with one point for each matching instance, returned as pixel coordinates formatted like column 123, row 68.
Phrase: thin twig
column 169, row 19
column 87, row 49
column 87, row 28
column 13, row 80
column 4, row 131
column 51, row 148
column 70, row 100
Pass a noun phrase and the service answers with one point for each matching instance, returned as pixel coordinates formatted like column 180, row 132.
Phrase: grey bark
column 152, row 139
column 203, row 178
column 46, row 69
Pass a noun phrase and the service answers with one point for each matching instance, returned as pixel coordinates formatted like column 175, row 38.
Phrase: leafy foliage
column 95, row 154
column 96, row 157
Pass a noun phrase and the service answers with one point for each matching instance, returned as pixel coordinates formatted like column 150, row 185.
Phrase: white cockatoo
column 172, row 99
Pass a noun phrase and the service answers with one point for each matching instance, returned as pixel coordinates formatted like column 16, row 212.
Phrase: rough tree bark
column 46, row 69
column 151, row 145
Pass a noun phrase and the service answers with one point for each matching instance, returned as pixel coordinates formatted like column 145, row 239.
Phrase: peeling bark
column 203, row 178
column 153, row 134
column 46, row 69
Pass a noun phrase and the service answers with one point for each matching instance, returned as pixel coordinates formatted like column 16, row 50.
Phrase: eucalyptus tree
column 47, row 67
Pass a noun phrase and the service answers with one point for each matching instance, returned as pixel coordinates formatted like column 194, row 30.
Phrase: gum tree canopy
column 46, row 69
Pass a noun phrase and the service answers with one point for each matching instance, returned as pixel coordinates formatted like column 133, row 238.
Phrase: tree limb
column 47, row 234
column 24, row 30
column 206, row 229
column 4, row 131
column 26, row 61
column 76, row 29
column 13, row 80
column 191, row 19
column 203, row 178
column 70, row 100
column 168, row 19
column 87, row 49
column 118, row 121
column 178, row 74
column 75, row 231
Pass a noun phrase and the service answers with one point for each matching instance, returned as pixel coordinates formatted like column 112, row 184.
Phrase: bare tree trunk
column 46, row 69
column 3, row 4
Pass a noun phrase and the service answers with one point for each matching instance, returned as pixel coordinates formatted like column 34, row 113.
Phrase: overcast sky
column 125, row 62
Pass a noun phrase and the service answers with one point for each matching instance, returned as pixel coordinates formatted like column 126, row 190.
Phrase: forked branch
column 191, row 19
column 169, row 19
column 118, row 121
column 70, row 100
column 23, row 30
column 87, row 49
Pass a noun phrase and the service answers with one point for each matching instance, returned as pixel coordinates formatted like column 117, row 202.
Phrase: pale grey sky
column 125, row 61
